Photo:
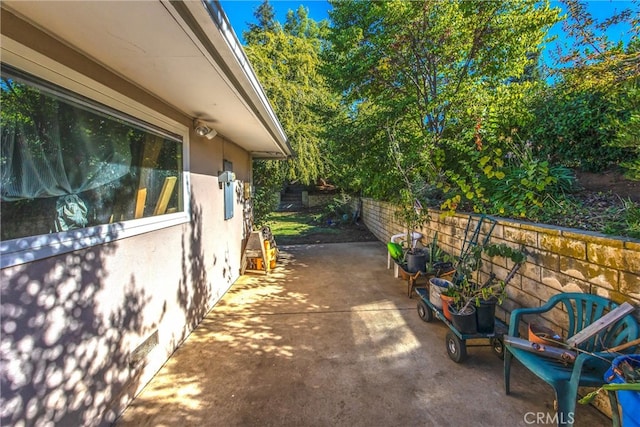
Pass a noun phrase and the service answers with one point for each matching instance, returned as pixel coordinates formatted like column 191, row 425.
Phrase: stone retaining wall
column 558, row 259
column 312, row 200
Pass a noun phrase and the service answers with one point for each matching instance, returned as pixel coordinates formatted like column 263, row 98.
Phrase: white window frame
column 28, row 249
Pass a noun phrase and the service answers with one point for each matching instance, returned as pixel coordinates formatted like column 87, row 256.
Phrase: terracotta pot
column 445, row 306
column 542, row 335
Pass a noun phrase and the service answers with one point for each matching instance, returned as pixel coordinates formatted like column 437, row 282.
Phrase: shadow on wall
column 193, row 299
column 195, row 293
column 63, row 355
column 65, row 350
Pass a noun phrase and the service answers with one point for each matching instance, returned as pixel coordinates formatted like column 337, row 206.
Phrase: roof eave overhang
column 227, row 49
column 183, row 53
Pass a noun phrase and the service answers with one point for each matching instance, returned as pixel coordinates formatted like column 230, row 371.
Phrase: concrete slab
column 330, row 338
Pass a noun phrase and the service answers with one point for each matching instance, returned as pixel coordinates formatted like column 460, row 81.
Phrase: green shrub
column 577, row 128
column 265, row 201
column 624, row 221
column 339, row 206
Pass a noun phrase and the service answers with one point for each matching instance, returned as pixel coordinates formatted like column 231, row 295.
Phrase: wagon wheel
column 424, row 311
column 456, row 348
column 497, row 346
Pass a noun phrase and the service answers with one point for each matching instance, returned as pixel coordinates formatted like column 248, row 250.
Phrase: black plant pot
column 441, row 268
column 417, row 261
column 486, row 315
column 466, row 322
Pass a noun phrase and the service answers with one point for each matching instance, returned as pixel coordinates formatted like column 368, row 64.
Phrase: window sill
column 29, row 249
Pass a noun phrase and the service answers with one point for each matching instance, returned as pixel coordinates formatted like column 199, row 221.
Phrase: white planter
column 436, row 287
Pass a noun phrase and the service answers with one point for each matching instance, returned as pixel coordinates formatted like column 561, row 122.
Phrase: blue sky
column 240, row 12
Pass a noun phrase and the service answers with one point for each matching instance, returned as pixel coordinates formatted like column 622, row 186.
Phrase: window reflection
column 68, row 163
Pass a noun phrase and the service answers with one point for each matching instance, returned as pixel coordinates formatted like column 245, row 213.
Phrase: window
column 69, row 163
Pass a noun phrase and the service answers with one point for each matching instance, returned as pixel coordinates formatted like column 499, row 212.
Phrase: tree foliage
column 589, row 58
column 431, row 71
column 449, row 100
column 589, row 118
column 286, row 59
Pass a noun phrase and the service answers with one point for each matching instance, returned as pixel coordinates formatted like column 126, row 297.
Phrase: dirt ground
column 609, row 181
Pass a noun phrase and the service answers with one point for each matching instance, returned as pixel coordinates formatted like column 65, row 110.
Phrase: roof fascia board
column 191, row 16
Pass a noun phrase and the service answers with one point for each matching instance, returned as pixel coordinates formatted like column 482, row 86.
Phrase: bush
column 339, row 208
column 265, row 201
column 624, row 221
column 576, row 129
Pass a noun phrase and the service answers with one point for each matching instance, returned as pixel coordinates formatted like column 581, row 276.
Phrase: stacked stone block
column 558, row 259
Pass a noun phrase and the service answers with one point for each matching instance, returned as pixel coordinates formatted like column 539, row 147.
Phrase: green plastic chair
column 588, row 368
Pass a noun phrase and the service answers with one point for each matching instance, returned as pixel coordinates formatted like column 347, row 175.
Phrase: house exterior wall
column 74, row 325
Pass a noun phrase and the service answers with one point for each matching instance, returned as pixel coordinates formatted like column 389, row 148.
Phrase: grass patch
column 297, row 224
column 315, row 227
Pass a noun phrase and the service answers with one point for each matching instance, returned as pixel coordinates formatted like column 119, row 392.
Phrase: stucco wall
column 558, row 259
column 71, row 322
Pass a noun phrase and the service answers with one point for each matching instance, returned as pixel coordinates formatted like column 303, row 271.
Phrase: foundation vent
column 140, row 353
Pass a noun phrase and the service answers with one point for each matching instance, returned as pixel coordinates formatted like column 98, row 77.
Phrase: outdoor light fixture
column 225, row 177
column 203, row 129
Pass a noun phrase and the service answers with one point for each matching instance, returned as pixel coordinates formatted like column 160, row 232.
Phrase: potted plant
column 462, row 310
column 413, row 216
column 412, row 185
column 483, row 297
column 448, row 296
column 439, row 263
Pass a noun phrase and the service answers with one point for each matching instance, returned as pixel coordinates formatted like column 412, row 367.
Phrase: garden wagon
column 455, row 341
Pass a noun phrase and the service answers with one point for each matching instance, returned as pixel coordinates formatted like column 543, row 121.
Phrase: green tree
column 286, row 59
column 627, row 124
column 266, row 17
column 589, row 118
column 432, row 68
column 589, row 58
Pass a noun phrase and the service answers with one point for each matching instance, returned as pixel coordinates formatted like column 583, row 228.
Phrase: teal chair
column 588, row 368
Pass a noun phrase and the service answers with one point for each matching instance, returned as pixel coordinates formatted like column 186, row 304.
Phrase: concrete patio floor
column 330, row 338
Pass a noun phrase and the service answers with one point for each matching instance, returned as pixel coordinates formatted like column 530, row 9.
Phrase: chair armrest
column 516, row 315
column 602, row 360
